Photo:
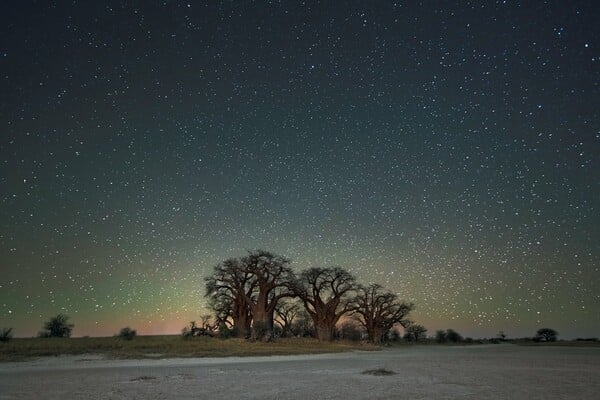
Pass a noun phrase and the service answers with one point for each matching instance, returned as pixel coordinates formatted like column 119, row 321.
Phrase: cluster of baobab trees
column 245, row 293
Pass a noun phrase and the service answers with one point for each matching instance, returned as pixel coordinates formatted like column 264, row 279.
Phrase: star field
column 447, row 150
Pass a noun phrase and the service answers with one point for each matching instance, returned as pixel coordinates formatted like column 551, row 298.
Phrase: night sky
column 448, row 150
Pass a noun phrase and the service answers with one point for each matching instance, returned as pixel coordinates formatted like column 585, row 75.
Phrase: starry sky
column 445, row 149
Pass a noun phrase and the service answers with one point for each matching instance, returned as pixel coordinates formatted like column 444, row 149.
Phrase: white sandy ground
column 422, row 372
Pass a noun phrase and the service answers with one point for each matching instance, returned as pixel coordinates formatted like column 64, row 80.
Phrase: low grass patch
column 167, row 347
column 143, row 378
column 379, row 372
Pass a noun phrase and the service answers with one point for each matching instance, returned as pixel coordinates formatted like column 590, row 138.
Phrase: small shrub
column 186, row 333
column 143, row 378
column 5, row 334
column 195, row 330
column 350, row 331
column 440, row 336
column 225, row 332
column 394, row 336
column 127, row 333
column 235, row 332
column 261, row 331
column 593, row 339
column 453, row 336
column 379, row 372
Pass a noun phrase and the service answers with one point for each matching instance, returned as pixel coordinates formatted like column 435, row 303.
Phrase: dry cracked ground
column 416, row 372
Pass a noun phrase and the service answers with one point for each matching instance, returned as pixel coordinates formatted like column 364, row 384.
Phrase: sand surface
column 422, row 372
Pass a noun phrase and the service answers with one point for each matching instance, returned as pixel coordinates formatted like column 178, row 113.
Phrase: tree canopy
column 378, row 310
column 326, row 294
column 246, row 292
column 57, row 326
column 546, row 335
column 228, row 290
column 415, row 332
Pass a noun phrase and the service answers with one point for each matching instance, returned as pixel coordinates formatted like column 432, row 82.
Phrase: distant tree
column 453, row 336
column 393, row 335
column 285, row 314
column 326, row 294
column 415, row 333
column 57, row 326
column 127, row 333
column 303, row 326
column 501, row 336
column 378, row 310
column 440, row 336
column 546, row 335
column 5, row 334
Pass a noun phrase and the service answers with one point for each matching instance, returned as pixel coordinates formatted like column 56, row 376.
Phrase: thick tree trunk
column 324, row 332
column 324, row 321
column 376, row 335
column 262, row 328
column 374, row 332
column 241, row 324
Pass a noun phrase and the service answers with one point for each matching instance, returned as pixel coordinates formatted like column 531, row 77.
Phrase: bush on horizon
column 545, row 335
column 5, row 334
column 57, row 326
column 127, row 333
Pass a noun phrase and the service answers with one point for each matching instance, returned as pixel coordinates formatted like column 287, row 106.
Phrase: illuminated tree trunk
column 262, row 321
column 324, row 333
column 324, row 326
column 242, row 322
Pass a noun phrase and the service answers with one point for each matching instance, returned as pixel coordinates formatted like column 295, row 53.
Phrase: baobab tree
column 271, row 279
column 228, row 289
column 326, row 294
column 378, row 310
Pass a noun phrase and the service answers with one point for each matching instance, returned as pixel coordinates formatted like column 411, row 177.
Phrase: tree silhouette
column 127, row 333
column 453, row 336
column 246, row 291
column 57, row 326
column 546, row 335
column 440, row 336
column 286, row 313
column 228, row 289
column 5, row 334
column 415, row 332
column 378, row 310
column 271, row 279
column 326, row 294
column 303, row 325
column 245, row 294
